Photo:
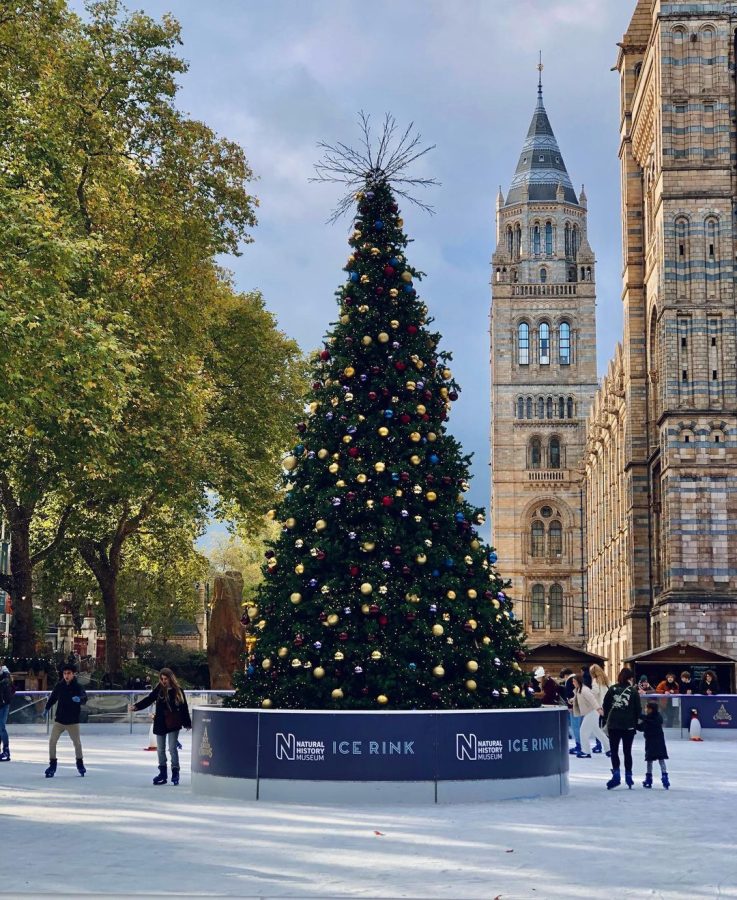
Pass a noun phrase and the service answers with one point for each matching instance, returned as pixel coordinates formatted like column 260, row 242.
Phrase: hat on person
column 4, row 670
column 539, row 672
column 643, row 678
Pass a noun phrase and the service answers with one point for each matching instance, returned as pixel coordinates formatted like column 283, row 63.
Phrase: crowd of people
column 610, row 715
column 171, row 714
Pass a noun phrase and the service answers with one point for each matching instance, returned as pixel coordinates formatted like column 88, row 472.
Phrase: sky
column 278, row 76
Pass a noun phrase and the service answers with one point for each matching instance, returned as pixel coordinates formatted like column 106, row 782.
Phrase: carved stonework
column 225, row 633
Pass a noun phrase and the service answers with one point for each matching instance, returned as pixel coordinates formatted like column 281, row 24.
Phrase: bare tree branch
column 389, row 161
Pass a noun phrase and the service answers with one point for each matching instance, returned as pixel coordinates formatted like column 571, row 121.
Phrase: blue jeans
column 576, row 728
column 161, row 742
column 4, row 712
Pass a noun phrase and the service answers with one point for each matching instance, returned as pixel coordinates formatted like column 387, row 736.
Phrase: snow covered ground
column 114, row 834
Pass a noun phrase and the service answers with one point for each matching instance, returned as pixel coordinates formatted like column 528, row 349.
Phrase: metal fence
column 102, row 707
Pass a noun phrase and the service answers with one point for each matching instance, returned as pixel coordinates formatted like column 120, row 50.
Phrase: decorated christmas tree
column 379, row 592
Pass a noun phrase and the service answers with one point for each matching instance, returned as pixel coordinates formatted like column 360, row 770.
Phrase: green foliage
column 190, row 666
column 378, row 592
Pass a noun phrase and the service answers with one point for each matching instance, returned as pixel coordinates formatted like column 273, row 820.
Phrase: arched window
column 535, row 453
column 569, row 408
column 517, row 241
column 555, row 539
column 707, row 58
column 520, row 408
column 523, row 343
column 549, row 238
column 514, row 276
column 564, row 343
column 556, row 606
column 540, row 408
column 510, row 241
column 529, row 407
column 549, row 408
column 567, row 233
column 572, row 274
column 682, row 256
column 543, row 275
column 536, row 239
column 544, row 344
column 554, row 452
column 537, row 539
column 588, row 273
column 574, row 242
column 561, row 407
column 711, row 233
column 538, row 606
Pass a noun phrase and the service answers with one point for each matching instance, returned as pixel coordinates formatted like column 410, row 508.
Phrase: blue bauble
column 413, row 666
column 434, row 458
column 408, row 289
column 378, row 224
column 369, row 195
column 250, row 670
column 353, row 276
column 436, row 573
column 395, row 476
column 388, row 413
column 299, row 449
column 448, row 563
column 460, row 517
column 312, row 582
column 493, row 557
column 394, row 262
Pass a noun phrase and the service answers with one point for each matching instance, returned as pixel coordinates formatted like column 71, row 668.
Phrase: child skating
column 652, row 726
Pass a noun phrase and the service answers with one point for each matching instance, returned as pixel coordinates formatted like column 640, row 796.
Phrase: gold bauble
column 321, row 454
column 266, row 663
column 366, row 340
column 471, row 685
column 295, row 598
column 468, row 560
column 289, row 463
column 406, row 276
column 299, row 569
column 394, row 322
column 345, row 319
column 475, row 544
column 271, row 563
column 382, row 699
column 431, row 436
column 383, row 431
column 369, row 504
column 451, row 595
column 361, row 478
column 347, row 438
column 393, row 292
column 495, row 603
column 365, row 279
column 363, row 308
column 376, row 655
column 266, row 704
column 252, row 612
column 415, row 436
column 473, row 624
column 368, row 546
column 486, row 640
column 515, row 689
column 366, row 588
column 438, row 671
column 271, row 514
column 337, row 694
column 421, row 409
column 431, row 496
column 365, row 609
column 410, row 385
column 321, row 525
column 339, row 655
column 472, row 665
column 383, row 337
column 348, row 397
column 318, row 672
column 437, row 630
column 296, row 663
column 340, row 483
column 447, row 374
column 333, row 468
column 421, row 559
column 443, row 392
column 472, row 595
column 380, row 466
column 415, row 459
column 349, row 371
column 333, row 619
column 282, row 652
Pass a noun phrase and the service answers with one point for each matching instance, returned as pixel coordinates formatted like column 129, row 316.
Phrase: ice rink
column 113, row 833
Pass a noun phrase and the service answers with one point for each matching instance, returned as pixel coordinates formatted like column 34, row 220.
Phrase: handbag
column 172, row 719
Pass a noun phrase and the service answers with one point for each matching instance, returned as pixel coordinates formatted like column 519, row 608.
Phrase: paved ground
column 114, row 834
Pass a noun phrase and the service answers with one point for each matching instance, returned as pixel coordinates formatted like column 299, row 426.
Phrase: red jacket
column 666, row 687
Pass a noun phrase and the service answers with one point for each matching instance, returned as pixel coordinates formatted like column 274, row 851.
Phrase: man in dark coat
column 68, row 695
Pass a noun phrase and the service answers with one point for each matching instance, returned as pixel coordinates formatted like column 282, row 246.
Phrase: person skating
column 69, row 696
column 651, row 725
column 587, row 706
column 170, row 715
column 6, row 695
column 622, row 711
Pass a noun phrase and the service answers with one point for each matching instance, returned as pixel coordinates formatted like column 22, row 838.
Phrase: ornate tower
column 543, row 375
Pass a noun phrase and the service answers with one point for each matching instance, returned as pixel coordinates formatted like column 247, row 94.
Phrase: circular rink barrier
column 389, row 757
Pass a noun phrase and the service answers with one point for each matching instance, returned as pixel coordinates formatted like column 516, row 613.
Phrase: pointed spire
column 582, row 198
column 540, row 168
column 499, row 198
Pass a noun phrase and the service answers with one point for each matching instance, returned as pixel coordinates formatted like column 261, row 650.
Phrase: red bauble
column 452, row 395
column 375, row 370
column 320, row 554
column 404, row 418
column 383, row 620
column 324, row 355
column 446, row 479
column 353, row 451
column 435, row 696
column 379, row 290
column 373, row 609
column 427, row 395
column 410, row 617
column 355, row 571
column 388, row 271
column 425, row 417
column 343, row 636
column 299, row 640
column 351, row 495
column 322, row 617
column 301, row 427
column 520, row 655
column 411, row 329
column 400, row 366
column 316, row 385
column 404, row 476
column 385, row 392
column 430, row 479
column 387, row 501
column 397, row 549
column 372, row 395
column 406, row 570
column 364, row 691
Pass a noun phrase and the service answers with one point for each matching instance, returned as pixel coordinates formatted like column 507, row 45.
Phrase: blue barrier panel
column 714, row 712
column 225, row 742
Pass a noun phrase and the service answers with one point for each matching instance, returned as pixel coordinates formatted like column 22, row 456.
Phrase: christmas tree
column 379, row 592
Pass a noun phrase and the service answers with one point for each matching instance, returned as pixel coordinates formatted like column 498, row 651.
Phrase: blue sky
column 277, row 76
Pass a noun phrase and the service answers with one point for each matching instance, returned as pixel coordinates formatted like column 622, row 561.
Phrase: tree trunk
column 21, row 592
column 105, row 568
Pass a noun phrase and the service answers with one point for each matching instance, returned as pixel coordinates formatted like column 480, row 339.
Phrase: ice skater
column 69, row 696
column 586, row 704
column 171, row 714
column 6, row 695
column 652, row 726
column 622, row 712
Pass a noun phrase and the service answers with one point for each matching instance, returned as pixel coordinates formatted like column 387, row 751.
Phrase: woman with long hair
column 171, row 715
column 622, row 711
column 600, row 686
column 709, row 684
column 587, row 706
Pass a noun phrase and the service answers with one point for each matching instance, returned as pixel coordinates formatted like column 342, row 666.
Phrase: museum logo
column 469, row 747
column 289, row 748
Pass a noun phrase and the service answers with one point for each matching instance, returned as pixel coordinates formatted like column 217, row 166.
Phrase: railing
column 102, row 707
column 544, row 290
column 547, row 475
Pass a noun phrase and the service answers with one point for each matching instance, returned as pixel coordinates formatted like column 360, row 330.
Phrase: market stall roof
column 564, row 653
column 680, row 652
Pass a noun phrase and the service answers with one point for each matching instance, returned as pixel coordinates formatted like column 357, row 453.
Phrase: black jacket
column 622, row 707
column 706, row 686
column 652, row 727
column 67, row 711
column 6, row 694
column 167, row 704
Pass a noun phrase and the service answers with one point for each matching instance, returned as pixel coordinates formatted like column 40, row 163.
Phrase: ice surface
column 113, row 833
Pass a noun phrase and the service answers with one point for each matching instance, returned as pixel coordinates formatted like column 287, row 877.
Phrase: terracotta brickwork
column 661, row 449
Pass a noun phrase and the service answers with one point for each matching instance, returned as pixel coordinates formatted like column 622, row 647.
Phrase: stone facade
column 661, row 452
column 543, row 362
